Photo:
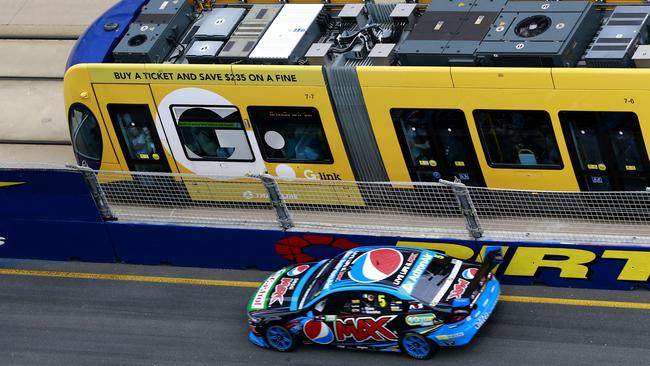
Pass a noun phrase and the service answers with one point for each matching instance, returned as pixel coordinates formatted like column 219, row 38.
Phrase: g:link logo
column 310, row 174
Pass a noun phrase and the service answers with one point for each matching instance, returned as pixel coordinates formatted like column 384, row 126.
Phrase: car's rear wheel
column 280, row 338
column 417, row 346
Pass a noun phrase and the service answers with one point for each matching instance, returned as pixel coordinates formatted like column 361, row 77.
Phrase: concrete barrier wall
column 554, row 264
column 52, row 215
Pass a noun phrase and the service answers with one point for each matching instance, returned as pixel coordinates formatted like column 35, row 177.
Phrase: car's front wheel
column 280, row 338
column 417, row 346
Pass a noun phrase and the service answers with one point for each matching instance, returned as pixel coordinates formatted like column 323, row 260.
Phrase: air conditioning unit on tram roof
column 532, row 33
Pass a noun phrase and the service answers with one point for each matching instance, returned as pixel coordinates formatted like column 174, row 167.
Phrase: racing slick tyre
column 417, row 346
column 280, row 338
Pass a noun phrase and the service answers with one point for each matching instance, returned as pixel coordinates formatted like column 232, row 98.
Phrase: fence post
column 277, row 200
column 96, row 191
column 466, row 207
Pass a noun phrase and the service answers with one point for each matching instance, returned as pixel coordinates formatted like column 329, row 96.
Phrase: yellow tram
column 369, row 92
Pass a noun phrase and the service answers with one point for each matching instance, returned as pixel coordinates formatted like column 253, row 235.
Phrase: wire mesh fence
column 169, row 198
column 442, row 209
column 374, row 207
column 575, row 216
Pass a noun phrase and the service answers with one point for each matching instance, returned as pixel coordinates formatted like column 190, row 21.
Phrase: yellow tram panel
column 389, row 87
column 512, row 89
column 405, row 76
column 78, row 89
column 468, row 98
column 274, row 86
column 617, row 90
column 634, row 101
column 599, row 79
column 128, row 94
column 501, row 78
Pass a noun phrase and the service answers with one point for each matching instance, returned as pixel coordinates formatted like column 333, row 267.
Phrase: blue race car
column 376, row 298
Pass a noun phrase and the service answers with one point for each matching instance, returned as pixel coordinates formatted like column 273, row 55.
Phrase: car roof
column 382, row 268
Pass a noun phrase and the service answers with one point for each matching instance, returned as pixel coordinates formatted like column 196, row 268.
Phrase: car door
column 357, row 319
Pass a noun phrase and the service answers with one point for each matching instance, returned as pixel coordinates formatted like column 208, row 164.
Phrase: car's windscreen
column 316, row 282
column 432, row 279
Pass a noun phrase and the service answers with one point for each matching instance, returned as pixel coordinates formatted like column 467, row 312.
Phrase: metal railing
column 444, row 209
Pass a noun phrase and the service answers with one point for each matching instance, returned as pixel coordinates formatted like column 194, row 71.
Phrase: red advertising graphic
column 281, row 289
column 376, row 265
column 365, row 328
column 298, row 270
column 318, row 332
column 293, row 247
column 458, row 290
column 469, row 273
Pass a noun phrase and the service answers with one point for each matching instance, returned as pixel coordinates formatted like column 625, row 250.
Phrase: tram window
column 133, row 121
column 84, row 129
column 290, row 134
column 212, row 133
column 518, row 139
column 436, row 144
column 419, row 125
column 608, row 148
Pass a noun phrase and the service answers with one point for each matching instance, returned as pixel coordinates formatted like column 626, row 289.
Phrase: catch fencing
column 443, row 209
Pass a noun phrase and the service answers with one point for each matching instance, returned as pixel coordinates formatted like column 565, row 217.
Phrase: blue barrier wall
column 525, row 263
column 194, row 246
column 52, row 215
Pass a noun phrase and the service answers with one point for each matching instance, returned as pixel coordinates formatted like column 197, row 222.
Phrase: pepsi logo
column 318, row 332
column 298, row 270
column 376, row 265
column 470, row 273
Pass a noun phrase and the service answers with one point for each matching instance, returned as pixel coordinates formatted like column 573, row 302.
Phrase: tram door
column 436, row 145
column 130, row 111
column 607, row 150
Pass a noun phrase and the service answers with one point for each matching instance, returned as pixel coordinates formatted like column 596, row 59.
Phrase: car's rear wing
column 491, row 259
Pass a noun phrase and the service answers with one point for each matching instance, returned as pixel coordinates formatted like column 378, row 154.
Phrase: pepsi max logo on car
column 318, row 332
column 359, row 329
column 458, row 290
column 298, row 270
column 470, row 273
column 365, row 328
column 376, row 265
column 281, row 289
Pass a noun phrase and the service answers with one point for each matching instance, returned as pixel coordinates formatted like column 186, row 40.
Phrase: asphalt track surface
column 56, row 313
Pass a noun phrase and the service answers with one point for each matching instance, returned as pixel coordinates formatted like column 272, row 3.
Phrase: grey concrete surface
column 25, row 58
column 48, row 154
column 56, row 321
column 58, row 19
column 32, row 110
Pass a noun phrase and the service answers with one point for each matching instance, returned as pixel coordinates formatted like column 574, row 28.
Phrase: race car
column 376, row 298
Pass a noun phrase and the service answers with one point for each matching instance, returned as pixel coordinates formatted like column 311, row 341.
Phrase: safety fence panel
column 444, row 209
column 187, row 199
column 576, row 216
column 374, row 207
column 267, row 202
